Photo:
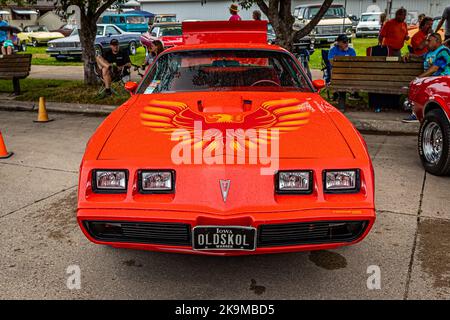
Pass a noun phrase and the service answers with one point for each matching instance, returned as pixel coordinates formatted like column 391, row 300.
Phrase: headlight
column 341, row 181
column 51, row 45
column 291, row 182
column 110, row 181
column 157, row 181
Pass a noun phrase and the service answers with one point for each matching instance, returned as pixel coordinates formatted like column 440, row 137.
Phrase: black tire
column 34, row 43
column 61, row 59
column 435, row 118
column 98, row 50
column 132, row 48
column 23, row 47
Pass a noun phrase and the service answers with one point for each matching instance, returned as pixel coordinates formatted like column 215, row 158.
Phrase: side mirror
column 319, row 84
column 131, row 87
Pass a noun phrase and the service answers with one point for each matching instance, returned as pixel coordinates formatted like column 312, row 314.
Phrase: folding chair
column 117, row 81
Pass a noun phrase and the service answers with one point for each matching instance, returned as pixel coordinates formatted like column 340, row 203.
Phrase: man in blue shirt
column 342, row 49
column 3, row 34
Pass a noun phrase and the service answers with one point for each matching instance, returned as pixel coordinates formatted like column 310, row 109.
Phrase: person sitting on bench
column 114, row 64
column 342, row 49
column 9, row 43
column 436, row 62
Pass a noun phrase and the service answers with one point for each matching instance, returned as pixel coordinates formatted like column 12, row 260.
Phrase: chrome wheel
column 132, row 48
column 432, row 142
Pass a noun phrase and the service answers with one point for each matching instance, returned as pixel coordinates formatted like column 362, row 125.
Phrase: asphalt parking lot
column 39, row 237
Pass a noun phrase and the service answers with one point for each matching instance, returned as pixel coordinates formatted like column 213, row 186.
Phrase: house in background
column 41, row 13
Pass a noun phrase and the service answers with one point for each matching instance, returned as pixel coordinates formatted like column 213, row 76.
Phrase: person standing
column 419, row 40
column 256, row 15
column 445, row 18
column 234, row 13
column 395, row 32
column 3, row 34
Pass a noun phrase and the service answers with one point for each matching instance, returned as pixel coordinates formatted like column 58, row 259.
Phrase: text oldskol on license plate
column 224, row 238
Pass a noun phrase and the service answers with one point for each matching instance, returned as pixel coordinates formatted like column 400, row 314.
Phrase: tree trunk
column 88, row 32
column 280, row 16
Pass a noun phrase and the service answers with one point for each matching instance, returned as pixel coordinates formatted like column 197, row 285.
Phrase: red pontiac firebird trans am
column 226, row 148
column 430, row 98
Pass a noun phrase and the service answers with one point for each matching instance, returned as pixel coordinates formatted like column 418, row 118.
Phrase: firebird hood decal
column 283, row 115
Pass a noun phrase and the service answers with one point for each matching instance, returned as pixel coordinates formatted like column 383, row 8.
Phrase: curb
column 368, row 126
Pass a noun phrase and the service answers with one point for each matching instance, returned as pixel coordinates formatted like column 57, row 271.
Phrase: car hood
column 334, row 21
column 74, row 38
column 306, row 129
column 371, row 24
column 45, row 34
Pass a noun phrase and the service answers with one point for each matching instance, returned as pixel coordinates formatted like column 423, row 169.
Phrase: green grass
column 360, row 46
column 61, row 91
column 40, row 57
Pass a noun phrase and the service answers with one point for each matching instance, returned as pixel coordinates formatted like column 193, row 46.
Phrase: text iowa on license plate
column 223, row 238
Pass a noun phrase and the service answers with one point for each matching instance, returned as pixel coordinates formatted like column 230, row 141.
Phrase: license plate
column 64, row 52
column 224, row 238
column 331, row 39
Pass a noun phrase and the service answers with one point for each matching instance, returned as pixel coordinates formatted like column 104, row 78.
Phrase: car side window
column 155, row 31
column 111, row 31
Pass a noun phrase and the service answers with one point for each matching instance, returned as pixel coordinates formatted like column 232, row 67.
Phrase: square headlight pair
column 149, row 181
column 301, row 182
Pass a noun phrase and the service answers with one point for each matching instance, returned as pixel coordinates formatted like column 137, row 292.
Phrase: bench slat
column 373, row 89
column 371, row 65
column 376, row 59
column 11, row 75
column 350, row 70
column 374, row 83
column 373, row 77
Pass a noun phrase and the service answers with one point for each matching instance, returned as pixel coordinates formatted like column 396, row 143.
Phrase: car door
column 101, row 38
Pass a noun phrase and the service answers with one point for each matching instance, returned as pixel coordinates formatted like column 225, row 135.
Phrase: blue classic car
column 70, row 47
column 133, row 21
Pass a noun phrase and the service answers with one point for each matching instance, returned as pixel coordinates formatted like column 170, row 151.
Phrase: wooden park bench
column 384, row 75
column 15, row 67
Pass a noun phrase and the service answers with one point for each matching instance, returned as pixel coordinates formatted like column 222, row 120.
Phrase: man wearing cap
column 342, row 49
column 113, row 64
column 234, row 13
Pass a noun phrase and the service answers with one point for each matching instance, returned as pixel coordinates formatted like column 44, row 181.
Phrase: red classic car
column 168, row 33
column 430, row 98
column 226, row 148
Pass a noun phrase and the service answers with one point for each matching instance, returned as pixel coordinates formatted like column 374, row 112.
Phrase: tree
column 90, row 11
column 279, row 13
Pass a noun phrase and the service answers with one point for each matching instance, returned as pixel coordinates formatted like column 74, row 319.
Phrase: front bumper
column 260, row 221
column 63, row 52
column 373, row 32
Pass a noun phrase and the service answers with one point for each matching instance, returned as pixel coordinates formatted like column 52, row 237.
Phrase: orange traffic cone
column 3, row 152
column 42, row 112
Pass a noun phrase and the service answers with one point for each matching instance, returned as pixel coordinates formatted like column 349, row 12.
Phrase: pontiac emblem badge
column 224, row 188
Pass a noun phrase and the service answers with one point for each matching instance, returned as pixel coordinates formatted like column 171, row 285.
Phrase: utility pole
column 388, row 8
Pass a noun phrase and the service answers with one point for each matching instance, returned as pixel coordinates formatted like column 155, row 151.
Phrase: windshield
column 167, row 19
column 135, row 20
column 224, row 70
column 38, row 29
column 171, row 31
column 100, row 31
column 370, row 17
column 333, row 12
